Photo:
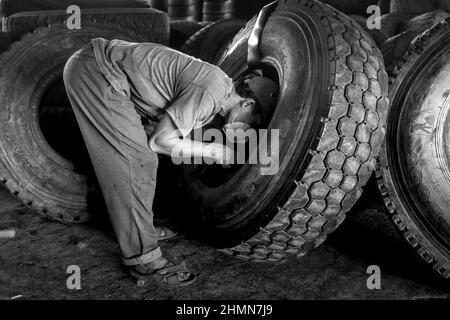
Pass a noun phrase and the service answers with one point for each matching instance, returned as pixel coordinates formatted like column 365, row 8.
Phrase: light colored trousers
column 118, row 146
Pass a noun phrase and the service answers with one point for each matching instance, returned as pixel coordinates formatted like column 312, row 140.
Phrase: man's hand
column 224, row 155
column 166, row 139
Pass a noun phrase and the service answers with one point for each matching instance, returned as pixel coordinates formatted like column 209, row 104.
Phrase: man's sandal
column 171, row 275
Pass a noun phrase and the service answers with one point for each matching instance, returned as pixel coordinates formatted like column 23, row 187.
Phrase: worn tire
column 181, row 31
column 414, row 167
column 209, row 43
column 378, row 36
column 351, row 6
column 392, row 23
column 5, row 42
column 418, row 7
column 147, row 22
column 29, row 167
column 159, row 4
column 330, row 114
column 394, row 48
column 425, row 21
column 10, row 7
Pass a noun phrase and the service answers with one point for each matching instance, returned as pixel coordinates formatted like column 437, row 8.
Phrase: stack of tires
column 10, row 7
column 214, row 10
column 190, row 10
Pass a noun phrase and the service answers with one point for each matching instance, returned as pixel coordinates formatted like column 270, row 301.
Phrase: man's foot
column 164, row 272
column 166, row 234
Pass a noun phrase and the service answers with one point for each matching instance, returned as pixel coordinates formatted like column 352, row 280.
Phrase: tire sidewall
column 302, row 86
column 29, row 166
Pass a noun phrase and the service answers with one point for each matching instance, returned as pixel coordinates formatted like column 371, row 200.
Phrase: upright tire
column 414, row 168
column 209, row 43
column 351, row 6
column 5, row 42
column 181, row 31
column 425, row 21
column 392, row 23
column 394, row 48
column 330, row 116
column 31, row 166
column 376, row 34
column 146, row 22
column 418, row 7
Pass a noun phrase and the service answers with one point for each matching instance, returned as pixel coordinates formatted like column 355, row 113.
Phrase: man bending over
column 111, row 86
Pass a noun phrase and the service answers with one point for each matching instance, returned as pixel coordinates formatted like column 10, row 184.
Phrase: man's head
column 255, row 97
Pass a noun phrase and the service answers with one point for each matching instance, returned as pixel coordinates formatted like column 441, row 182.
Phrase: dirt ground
column 33, row 265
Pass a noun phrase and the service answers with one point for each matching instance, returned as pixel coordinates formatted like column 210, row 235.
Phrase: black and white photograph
column 224, row 155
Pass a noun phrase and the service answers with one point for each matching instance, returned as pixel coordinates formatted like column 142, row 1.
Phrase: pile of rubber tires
column 352, row 101
column 190, row 10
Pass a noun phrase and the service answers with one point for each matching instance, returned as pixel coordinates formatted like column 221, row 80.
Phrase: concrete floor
column 33, row 265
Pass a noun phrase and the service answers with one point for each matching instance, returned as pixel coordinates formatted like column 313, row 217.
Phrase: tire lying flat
column 10, row 7
column 414, row 171
column 146, row 22
column 30, row 168
column 330, row 114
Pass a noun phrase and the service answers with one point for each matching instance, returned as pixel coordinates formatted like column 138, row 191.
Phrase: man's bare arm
column 165, row 139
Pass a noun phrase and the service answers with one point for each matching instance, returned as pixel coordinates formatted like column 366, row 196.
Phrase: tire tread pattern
column 152, row 24
column 344, row 158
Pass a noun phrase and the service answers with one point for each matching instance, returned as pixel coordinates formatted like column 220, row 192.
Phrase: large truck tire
column 181, row 31
column 394, row 48
column 392, row 23
column 351, row 6
column 425, row 21
column 418, row 7
column 31, row 166
column 209, row 43
column 378, row 36
column 5, row 42
column 150, row 23
column 330, row 116
column 10, row 7
column 414, row 167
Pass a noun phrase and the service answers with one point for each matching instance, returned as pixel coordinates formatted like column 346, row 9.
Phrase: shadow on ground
column 33, row 265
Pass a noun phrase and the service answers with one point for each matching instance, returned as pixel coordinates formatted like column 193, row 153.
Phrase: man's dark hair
column 242, row 88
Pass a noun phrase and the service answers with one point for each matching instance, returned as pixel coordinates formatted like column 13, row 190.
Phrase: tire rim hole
column 214, row 176
column 60, row 129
